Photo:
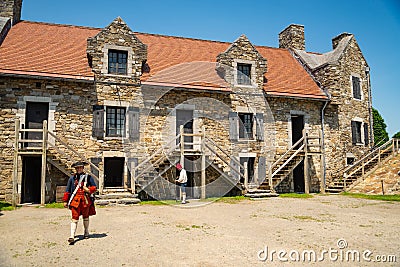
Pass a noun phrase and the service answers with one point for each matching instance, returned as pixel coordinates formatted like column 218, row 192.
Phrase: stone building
column 238, row 116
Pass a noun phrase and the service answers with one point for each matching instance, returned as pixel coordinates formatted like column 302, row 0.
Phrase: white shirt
column 182, row 177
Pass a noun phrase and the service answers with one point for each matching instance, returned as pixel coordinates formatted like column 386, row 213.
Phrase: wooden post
column 306, row 178
column 133, row 177
column 393, row 150
column 44, row 162
column 246, row 177
column 15, row 167
column 344, row 181
column 203, row 163
column 182, row 161
column 271, row 187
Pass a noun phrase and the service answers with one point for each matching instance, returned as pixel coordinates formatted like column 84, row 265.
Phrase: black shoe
column 86, row 236
column 71, row 240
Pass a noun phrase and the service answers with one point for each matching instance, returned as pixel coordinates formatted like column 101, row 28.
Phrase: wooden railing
column 376, row 156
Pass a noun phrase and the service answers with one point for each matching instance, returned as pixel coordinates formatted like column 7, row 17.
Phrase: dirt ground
column 218, row 234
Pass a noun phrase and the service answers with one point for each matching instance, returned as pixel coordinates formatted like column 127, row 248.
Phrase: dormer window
column 243, row 74
column 117, row 62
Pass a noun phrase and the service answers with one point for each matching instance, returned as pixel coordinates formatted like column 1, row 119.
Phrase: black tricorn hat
column 79, row 163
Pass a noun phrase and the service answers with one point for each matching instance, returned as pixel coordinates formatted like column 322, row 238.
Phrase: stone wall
column 343, row 108
column 292, row 37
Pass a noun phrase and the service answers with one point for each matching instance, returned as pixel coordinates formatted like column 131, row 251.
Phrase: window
column 350, row 161
column 117, row 62
column 115, row 123
column 244, row 74
column 356, row 87
column 246, row 125
column 356, row 132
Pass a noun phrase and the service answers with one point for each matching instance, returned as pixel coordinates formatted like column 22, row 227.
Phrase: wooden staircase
column 280, row 170
column 345, row 178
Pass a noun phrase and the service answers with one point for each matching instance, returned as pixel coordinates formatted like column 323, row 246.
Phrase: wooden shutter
column 356, row 87
column 134, row 123
column 259, row 126
column 96, row 162
column 262, row 170
column 354, row 132
column 233, row 126
column 235, row 175
column 366, row 135
column 98, row 122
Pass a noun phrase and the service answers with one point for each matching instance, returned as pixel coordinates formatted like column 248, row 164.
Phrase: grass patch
column 231, row 200
column 6, row 206
column 158, row 202
column 54, row 205
column 295, row 195
column 373, row 197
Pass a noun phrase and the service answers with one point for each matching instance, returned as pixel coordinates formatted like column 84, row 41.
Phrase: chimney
column 292, row 37
column 336, row 40
column 11, row 9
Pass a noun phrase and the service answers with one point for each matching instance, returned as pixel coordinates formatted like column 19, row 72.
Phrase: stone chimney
column 11, row 9
column 336, row 40
column 292, row 37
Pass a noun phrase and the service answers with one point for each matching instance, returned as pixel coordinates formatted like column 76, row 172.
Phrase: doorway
column 185, row 118
column 250, row 168
column 36, row 113
column 31, row 179
column 114, row 171
column 297, row 134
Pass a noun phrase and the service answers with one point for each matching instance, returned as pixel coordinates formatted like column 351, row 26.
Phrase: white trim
column 104, row 59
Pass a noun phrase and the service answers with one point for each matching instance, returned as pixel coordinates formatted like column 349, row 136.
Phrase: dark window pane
column 246, row 125
column 356, row 87
column 117, row 62
column 115, row 121
column 244, row 74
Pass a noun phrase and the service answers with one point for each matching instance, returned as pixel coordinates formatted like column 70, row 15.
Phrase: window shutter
column 130, row 161
column 356, row 87
column 134, row 127
column 233, row 126
column 235, row 175
column 262, row 171
column 353, row 132
column 98, row 122
column 366, row 135
column 96, row 162
column 259, row 126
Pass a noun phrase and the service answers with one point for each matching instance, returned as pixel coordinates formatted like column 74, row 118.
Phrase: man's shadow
column 91, row 236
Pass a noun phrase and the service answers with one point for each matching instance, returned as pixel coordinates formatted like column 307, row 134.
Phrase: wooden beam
column 15, row 165
column 44, row 162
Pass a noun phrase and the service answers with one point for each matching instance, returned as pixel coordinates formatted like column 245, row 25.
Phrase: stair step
column 122, row 201
column 261, row 195
column 116, row 196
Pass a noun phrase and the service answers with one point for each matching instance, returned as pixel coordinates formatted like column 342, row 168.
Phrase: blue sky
column 375, row 25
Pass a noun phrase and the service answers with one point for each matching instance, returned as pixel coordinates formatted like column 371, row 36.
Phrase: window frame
column 252, row 72
column 359, row 136
column 356, row 94
column 119, row 128
column 243, row 71
column 246, row 131
column 120, row 55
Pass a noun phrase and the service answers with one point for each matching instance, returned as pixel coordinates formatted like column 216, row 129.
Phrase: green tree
column 380, row 133
column 397, row 135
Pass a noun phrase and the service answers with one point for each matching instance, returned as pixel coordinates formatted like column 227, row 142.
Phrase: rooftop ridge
column 141, row 33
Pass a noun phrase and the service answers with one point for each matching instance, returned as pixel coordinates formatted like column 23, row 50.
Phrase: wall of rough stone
column 336, row 78
column 292, row 37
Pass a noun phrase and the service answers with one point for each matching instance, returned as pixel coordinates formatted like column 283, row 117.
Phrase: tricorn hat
column 79, row 163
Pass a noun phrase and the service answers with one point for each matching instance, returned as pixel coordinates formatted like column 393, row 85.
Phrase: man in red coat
column 77, row 198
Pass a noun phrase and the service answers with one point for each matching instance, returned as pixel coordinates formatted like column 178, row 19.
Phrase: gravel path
column 219, row 234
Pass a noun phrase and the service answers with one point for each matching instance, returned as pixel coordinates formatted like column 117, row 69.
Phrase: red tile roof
column 52, row 50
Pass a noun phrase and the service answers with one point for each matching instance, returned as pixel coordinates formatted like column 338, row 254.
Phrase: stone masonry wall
column 336, row 78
